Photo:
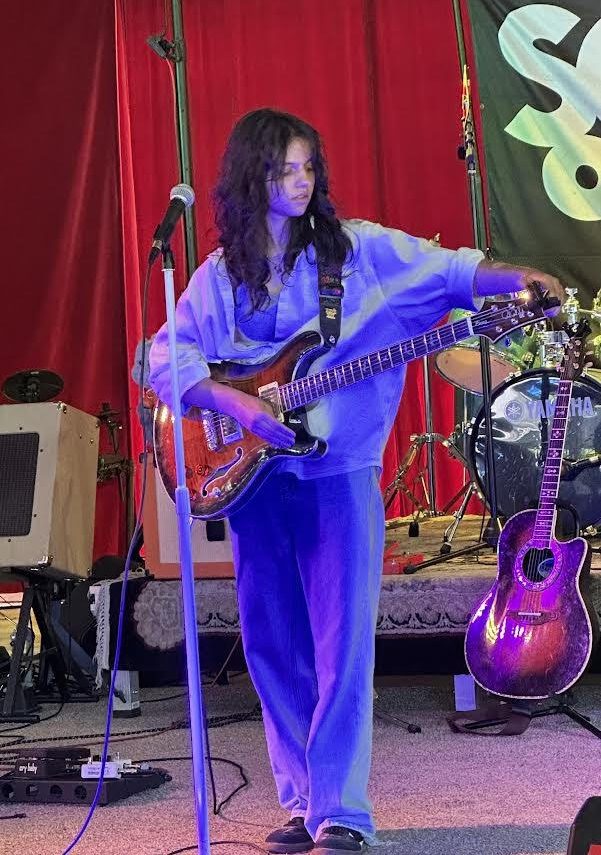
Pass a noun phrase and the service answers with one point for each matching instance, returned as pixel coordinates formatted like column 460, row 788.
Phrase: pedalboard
column 70, row 776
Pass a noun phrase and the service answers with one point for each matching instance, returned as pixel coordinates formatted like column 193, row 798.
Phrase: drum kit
column 524, row 382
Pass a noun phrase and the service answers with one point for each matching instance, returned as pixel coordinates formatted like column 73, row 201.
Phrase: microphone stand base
column 440, row 559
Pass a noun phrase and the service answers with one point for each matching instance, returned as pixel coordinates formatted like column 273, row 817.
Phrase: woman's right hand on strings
column 253, row 413
column 257, row 416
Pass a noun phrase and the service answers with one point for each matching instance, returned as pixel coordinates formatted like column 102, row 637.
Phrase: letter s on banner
column 564, row 130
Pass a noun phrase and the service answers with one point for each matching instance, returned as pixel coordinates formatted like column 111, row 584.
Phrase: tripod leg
column 15, row 702
column 565, row 709
column 452, row 501
column 458, row 516
column 399, row 482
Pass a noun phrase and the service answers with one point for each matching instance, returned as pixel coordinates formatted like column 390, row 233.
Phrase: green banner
column 539, row 74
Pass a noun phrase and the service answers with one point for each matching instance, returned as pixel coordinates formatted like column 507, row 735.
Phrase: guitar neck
column 543, row 526
column 304, row 391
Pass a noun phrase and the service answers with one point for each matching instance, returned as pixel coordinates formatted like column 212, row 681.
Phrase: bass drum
column 522, row 411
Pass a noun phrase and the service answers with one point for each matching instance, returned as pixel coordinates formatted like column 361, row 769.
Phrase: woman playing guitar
column 308, row 544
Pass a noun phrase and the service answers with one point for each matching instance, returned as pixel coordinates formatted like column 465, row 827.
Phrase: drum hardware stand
column 469, row 489
column 430, row 437
column 399, row 483
column 491, row 533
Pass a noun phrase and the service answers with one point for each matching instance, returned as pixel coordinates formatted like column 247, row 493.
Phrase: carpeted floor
column 434, row 793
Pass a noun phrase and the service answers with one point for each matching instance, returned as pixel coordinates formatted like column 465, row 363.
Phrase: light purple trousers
column 308, row 558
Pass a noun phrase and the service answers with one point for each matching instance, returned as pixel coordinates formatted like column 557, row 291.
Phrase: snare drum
column 460, row 364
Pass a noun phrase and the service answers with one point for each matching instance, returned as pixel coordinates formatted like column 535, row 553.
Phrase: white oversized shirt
column 395, row 287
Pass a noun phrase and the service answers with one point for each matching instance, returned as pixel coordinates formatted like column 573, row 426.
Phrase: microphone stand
column 468, row 152
column 491, row 535
column 182, row 508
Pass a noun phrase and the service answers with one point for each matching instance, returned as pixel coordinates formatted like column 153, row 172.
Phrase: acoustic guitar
column 532, row 635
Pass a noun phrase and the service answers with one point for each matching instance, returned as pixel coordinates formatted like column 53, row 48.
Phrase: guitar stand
column 564, row 708
column 515, row 717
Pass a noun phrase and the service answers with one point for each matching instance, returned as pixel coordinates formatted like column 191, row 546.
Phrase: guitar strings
column 564, row 394
column 485, row 315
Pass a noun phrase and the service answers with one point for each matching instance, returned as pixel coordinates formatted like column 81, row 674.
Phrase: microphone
column 182, row 197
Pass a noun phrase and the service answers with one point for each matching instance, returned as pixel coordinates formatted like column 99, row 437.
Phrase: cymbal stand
column 417, row 442
column 399, row 483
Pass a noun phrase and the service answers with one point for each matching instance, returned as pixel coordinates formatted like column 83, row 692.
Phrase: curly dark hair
column 257, row 148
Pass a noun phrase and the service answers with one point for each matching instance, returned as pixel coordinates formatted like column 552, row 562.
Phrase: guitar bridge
column 532, row 618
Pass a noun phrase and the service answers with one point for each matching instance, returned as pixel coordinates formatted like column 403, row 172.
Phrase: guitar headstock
column 574, row 356
column 531, row 305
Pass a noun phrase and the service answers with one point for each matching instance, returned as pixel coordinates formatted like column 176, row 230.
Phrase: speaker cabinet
column 211, row 545
column 48, row 467
column 585, row 833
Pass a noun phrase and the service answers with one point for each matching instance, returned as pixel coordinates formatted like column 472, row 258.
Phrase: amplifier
column 48, row 467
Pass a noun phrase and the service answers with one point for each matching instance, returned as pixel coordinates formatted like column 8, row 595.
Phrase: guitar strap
column 513, row 720
column 331, row 292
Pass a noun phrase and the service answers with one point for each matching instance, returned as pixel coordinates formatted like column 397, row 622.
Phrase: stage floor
column 400, row 544
column 434, row 792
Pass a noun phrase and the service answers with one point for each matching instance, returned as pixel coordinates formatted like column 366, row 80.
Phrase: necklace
column 278, row 266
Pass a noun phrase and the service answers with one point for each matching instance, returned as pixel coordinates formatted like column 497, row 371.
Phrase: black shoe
column 292, row 837
column 336, row 838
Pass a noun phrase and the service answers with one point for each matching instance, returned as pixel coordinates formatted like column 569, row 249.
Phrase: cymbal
column 32, row 387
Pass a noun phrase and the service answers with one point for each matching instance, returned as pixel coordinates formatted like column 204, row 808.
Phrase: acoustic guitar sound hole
column 537, row 565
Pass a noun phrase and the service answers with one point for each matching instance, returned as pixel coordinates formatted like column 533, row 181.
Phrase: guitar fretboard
column 543, row 526
column 303, row 391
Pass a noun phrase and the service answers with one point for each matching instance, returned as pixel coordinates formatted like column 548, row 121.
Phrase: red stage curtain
column 62, row 263
column 381, row 81
column 379, row 78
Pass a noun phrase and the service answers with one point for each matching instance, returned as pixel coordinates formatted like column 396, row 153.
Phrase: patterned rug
column 436, row 600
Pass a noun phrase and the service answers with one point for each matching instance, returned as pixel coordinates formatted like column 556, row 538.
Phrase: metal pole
column 183, row 132
column 182, row 503
column 476, row 194
column 479, row 229
column 430, row 440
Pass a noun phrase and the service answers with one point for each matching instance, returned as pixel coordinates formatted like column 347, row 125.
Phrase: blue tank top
column 257, row 325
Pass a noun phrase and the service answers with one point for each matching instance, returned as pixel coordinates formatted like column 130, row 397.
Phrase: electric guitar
column 532, row 635
column 225, row 462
